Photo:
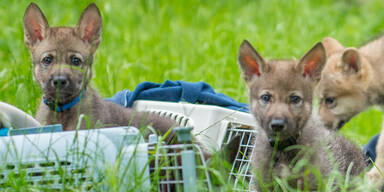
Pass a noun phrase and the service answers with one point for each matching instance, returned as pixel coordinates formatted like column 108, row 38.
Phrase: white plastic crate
column 214, row 126
column 81, row 158
column 74, row 157
column 13, row 117
column 209, row 122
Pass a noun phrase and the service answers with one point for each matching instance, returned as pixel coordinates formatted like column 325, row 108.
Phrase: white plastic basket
column 81, row 159
column 74, row 157
column 209, row 122
column 214, row 126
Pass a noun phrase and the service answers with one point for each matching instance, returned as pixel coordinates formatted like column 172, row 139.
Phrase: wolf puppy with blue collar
column 62, row 61
column 281, row 94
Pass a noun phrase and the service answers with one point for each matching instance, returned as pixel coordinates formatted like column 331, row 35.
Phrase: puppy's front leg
column 374, row 174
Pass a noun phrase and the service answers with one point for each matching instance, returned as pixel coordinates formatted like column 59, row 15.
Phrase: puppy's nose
column 277, row 125
column 60, row 81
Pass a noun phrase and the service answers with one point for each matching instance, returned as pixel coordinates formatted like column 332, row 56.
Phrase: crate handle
column 183, row 134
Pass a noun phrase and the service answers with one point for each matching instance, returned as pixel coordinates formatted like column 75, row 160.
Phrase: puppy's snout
column 277, row 125
column 60, row 81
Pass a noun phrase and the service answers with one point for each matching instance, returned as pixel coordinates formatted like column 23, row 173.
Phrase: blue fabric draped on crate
column 175, row 91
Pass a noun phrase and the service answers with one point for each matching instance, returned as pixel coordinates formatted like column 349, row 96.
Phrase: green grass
column 155, row 40
column 191, row 41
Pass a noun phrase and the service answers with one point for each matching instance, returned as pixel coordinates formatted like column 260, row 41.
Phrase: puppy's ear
column 250, row 62
column 350, row 62
column 90, row 25
column 331, row 45
column 35, row 25
column 312, row 63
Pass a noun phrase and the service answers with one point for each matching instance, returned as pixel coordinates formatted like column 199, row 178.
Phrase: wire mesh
column 241, row 174
column 166, row 167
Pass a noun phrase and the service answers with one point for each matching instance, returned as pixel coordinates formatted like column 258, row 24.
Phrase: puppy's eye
column 294, row 99
column 75, row 60
column 330, row 102
column 265, row 98
column 47, row 60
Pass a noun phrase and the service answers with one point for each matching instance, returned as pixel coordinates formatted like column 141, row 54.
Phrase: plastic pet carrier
column 214, row 126
column 46, row 158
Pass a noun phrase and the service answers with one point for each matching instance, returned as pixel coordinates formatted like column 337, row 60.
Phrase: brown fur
column 289, row 85
column 61, row 45
column 352, row 78
column 350, row 84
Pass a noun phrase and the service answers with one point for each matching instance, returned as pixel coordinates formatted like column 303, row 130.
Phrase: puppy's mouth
column 340, row 124
column 281, row 136
column 282, row 142
column 328, row 125
column 60, row 96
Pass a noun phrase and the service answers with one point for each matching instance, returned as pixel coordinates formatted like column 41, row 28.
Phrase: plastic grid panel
column 39, row 173
column 166, row 167
column 241, row 174
column 61, row 160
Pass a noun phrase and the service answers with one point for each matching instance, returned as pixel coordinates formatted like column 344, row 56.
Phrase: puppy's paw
column 374, row 177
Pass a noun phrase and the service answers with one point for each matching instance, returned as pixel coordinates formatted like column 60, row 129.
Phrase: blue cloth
column 175, row 91
column 3, row 131
column 370, row 149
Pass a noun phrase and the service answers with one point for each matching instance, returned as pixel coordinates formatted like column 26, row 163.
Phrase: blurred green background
column 190, row 40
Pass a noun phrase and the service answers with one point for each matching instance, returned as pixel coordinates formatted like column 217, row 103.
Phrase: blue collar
column 60, row 108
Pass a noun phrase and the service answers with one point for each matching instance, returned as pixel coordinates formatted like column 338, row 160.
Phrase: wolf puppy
column 351, row 82
column 281, row 94
column 62, row 61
